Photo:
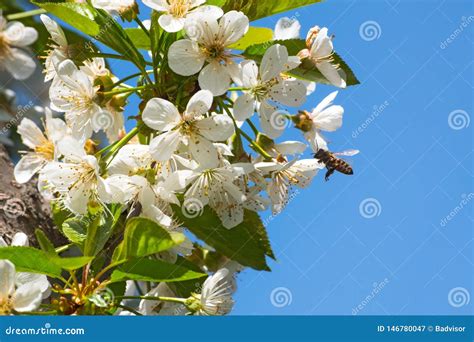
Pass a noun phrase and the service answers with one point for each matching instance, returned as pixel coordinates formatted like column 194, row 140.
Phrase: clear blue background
column 329, row 257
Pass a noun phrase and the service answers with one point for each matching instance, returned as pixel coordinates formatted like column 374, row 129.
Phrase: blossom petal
column 160, row 114
column 30, row 134
column 287, row 28
column 19, row 35
column 272, row 120
column 28, row 165
column 331, row 73
column 199, row 104
column 290, row 93
column 215, row 78
column 218, row 127
column 157, row 5
column 273, row 62
column 244, row 107
column 203, row 151
column 329, row 119
column 164, row 145
column 185, row 57
column 7, row 278
column 56, row 32
column 20, row 64
column 27, row 297
column 232, row 26
column 170, row 23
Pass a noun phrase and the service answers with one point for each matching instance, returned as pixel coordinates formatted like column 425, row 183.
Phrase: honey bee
column 333, row 163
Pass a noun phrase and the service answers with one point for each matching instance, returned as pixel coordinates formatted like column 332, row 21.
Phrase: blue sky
column 409, row 117
column 331, row 259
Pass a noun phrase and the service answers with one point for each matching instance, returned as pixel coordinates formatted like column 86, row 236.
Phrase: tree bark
column 22, row 208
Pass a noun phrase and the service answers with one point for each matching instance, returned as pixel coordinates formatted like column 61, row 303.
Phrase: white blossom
column 287, row 28
column 43, row 145
column 320, row 52
column 265, row 85
column 190, row 128
column 286, row 174
column 74, row 93
column 77, row 178
column 215, row 187
column 15, row 296
column 15, row 35
column 208, row 40
column 216, row 295
column 174, row 12
column 59, row 47
column 113, row 6
column 325, row 117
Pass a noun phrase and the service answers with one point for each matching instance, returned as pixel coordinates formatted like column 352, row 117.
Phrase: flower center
column 6, row 306
column 5, row 49
column 46, row 150
column 216, row 51
column 261, row 90
column 179, row 8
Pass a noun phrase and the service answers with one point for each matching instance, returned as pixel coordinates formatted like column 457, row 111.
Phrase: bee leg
column 329, row 173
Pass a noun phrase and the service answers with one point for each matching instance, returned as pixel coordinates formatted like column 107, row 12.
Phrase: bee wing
column 346, row 153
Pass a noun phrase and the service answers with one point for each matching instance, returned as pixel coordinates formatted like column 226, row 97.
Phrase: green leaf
column 100, row 229
column 59, row 213
column 71, row 264
column 28, row 259
column 139, row 38
column 98, row 24
column 78, row 15
column 255, row 35
column 256, row 9
column 307, row 70
column 45, row 244
column 246, row 243
column 154, row 271
column 75, row 230
column 144, row 237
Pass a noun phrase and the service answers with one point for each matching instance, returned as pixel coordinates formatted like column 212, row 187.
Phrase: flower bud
column 302, row 121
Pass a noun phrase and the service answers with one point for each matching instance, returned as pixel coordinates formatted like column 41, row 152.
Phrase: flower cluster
column 187, row 149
